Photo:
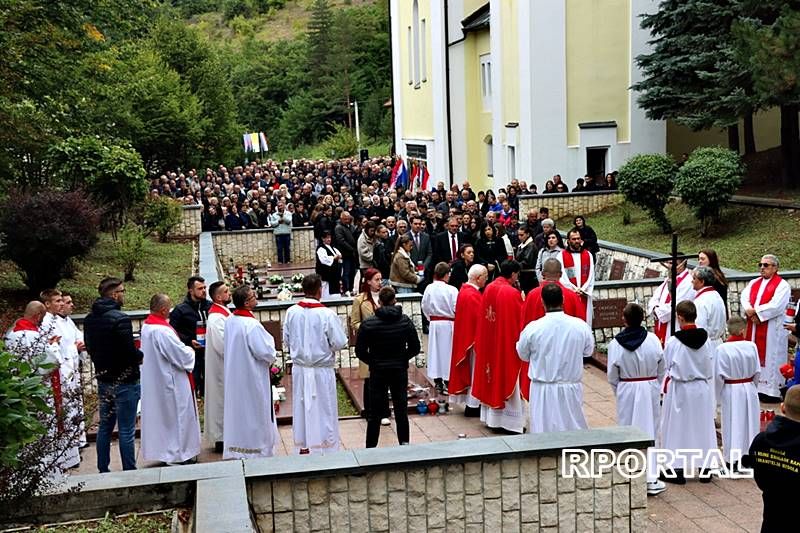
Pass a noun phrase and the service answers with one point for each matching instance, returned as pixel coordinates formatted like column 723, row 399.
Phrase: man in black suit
column 447, row 243
column 422, row 250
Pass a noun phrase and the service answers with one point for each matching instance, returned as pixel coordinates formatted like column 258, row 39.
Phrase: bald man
column 773, row 457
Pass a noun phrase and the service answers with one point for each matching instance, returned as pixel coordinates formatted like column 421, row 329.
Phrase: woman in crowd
column 588, row 236
column 475, row 228
column 549, row 187
column 233, row 221
column 551, row 250
column 460, row 268
column 526, row 257
column 562, row 187
column 708, row 257
column 490, row 251
column 403, row 274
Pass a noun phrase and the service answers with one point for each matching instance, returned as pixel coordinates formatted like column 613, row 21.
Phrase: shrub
column 41, row 232
column 130, row 249
column 646, row 181
column 160, row 215
column 341, row 143
column 707, row 181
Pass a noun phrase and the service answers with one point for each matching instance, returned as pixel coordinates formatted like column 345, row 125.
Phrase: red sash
column 660, row 328
column 633, row 380
column 761, row 329
column 216, row 308
column 155, row 320
column 310, row 305
column 737, row 381
column 23, row 324
column 703, row 291
column 243, row 312
column 436, row 318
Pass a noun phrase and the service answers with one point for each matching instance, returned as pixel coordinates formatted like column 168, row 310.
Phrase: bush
column 160, row 216
column 235, row 8
column 341, row 143
column 41, row 232
column 130, row 249
column 646, row 180
column 707, row 181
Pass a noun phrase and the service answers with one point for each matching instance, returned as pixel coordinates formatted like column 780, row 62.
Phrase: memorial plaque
column 617, row 270
column 608, row 313
column 650, row 273
column 273, row 327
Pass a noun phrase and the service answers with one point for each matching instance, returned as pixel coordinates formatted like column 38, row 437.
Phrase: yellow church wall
column 471, row 6
column 510, row 61
column 417, row 108
column 478, row 123
column 766, row 127
column 598, row 65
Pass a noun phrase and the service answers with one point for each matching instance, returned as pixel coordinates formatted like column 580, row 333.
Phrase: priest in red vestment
column 496, row 375
column 468, row 319
column 578, row 273
column 534, row 308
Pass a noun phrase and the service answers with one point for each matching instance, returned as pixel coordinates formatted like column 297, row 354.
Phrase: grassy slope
column 741, row 238
column 164, row 268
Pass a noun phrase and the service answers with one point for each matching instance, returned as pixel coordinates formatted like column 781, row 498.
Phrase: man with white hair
column 764, row 302
column 711, row 314
column 547, row 226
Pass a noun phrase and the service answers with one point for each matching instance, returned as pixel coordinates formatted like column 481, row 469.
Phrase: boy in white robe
column 660, row 304
column 313, row 333
column 736, row 374
column 250, row 426
column 72, row 344
column 439, row 306
column 214, row 405
column 170, row 425
column 687, row 419
column 711, row 313
column 555, row 345
column 635, row 371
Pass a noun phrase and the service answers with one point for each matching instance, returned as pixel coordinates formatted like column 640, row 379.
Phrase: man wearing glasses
column 764, row 302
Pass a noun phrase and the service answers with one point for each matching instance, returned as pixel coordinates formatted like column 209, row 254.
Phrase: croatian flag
column 414, row 179
column 424, row 178
column 399, row 175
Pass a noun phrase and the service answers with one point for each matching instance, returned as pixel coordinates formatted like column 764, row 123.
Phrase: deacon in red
column 578, row 273
column 496, row 376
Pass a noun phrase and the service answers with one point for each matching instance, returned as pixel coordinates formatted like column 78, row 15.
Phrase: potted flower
column 298, row 278
column 275, row 279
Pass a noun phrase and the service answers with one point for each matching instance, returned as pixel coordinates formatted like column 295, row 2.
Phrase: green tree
column 130, row 247
column 707, row 180
column 646, row 180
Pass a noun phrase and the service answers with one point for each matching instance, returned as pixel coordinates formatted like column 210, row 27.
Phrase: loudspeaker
column 364, row 154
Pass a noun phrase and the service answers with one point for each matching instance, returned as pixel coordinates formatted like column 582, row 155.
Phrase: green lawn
column 346, row 407
column 158, row 522
column 164, row 268
column 742, row 236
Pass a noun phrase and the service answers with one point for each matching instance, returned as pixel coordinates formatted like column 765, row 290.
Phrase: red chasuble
column 761, row 329
column 497, row 365
column 534, row 307
column 465, row 329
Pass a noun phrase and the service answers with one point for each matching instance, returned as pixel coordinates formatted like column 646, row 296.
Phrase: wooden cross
column 673, row 257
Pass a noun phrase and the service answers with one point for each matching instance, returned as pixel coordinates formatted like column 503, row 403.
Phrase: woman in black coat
column 588, row 236
column 490, row 250
column 459, row 271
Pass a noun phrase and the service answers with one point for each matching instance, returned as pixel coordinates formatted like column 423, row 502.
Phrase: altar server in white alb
column 711, row 313
column 736, row 374
column 577, row 272
column 214, row 405
column 73, row 346
column 313, row 334
column 555, row 346
column 687, row 420
column 439, row 305
column 764, row 302
column 635, row 371
column 250, row 426
column 170, row 425
column 315, row 418
column 660, row 304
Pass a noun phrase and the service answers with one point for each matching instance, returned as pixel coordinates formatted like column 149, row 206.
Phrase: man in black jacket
column 773, row 456
column 345, row 240
column 386, row 342
column 185, row 318
column 447, row 243
column 108, row 334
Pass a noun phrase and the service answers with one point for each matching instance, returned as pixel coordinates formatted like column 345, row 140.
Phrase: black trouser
column 199, row 373
column 366, row 399
column 397, row 382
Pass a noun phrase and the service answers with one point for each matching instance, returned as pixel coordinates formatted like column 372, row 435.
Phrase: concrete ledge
column 260, row 230
column 541, row 196
column 221, row 505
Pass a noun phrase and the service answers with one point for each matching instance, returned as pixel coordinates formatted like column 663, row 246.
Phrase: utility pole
column 358, row 128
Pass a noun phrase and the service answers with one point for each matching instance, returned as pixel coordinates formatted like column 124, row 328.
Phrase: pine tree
column 320, row 41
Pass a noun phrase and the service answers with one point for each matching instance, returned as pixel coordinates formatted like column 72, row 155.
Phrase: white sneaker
column 655, row 487
column 385, row 421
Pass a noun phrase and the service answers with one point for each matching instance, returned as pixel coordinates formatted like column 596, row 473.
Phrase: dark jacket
column 459, row 274
column 382, row 256
column 442, row 246
column 185, row 316
column 108, row 334
column 345, row 240
column 387, row 340
column 771, row 456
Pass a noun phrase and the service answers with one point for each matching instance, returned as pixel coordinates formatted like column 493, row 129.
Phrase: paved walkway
column 723, row 505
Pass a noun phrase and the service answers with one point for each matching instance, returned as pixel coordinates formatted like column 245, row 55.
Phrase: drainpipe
column 447, row 87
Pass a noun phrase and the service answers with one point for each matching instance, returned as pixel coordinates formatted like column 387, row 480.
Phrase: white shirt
column 555, row 345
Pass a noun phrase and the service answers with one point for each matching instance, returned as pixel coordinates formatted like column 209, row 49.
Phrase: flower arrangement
column 275, row 279
column 275, row 375
column 291, row 287
column 298, row 278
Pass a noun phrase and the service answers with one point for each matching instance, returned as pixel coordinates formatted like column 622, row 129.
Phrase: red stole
column 23, row 324
column 497, row 365
column 155, row 320
column 243, row 312
column 569, row 267
column 465, row 329
column 660, row 328
column 703, row 291
column 735, row 338
column 310, row 305
column 761, row 329
column 216, row 308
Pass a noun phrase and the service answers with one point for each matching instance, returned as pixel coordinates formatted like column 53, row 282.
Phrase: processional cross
column 673, row 258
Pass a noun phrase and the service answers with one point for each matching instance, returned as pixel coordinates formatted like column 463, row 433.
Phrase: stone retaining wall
column 568, row 205
column 258, row 246
column 191, row 224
